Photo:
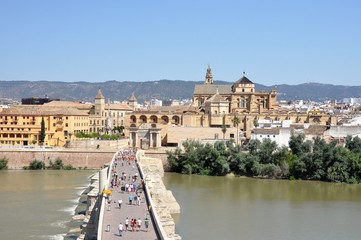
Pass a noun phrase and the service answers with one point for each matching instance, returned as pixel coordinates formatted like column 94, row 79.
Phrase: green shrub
column 57, row 165
column 68, row 167
column 3, row 163
column 36, row 165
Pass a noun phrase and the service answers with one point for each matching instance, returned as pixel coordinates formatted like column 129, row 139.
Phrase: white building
column 280, row 135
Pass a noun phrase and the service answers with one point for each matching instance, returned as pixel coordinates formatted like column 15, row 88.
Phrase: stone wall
column 77, row 158
column 163, row 201
column 177, row 134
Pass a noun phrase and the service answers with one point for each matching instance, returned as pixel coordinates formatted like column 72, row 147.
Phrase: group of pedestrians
column 133, row 225
column 125, row 177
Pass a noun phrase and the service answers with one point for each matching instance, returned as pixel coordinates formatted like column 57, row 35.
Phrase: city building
column 221, row 106
column 21, row 125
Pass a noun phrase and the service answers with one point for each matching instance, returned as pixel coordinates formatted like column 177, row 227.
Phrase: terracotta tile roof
column 212, row 89
column 119, row 106
column 177, row 109
column 42, row 111
column 216, row 98
column 315, row 130
column 68, row 104
column 270, row 131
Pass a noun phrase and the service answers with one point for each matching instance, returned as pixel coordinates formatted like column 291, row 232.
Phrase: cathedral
column 215, row 107
column 239, row 97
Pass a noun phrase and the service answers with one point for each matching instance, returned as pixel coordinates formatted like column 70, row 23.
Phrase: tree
column 236, row 121
column 266, row 150
column 3, row 163
column 255, row 123
column 224, row 128
column 353, row 144
column 42, row 131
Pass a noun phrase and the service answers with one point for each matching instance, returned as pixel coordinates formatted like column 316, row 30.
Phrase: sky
column 273, row 42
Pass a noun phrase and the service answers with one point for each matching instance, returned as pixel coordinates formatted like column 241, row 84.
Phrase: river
column 256, row 209
column 39, row 204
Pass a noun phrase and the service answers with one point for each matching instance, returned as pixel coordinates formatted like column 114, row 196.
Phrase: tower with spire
column 99, row 104
column 132, row 102
column 209, row 76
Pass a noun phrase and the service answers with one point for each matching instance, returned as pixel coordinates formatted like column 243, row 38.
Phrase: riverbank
column 78, row 158
column 84, row 223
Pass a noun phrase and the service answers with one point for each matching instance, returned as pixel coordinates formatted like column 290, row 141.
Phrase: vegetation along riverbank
column 40, row 165
column 304, row 159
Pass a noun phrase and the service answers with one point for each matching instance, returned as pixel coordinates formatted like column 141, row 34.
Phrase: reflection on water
column 38, row 204
column 246, row 208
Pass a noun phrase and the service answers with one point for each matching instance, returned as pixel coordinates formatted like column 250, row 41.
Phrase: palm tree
column 236, row 121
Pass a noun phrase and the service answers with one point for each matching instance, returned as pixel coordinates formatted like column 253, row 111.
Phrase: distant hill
column 162, row 89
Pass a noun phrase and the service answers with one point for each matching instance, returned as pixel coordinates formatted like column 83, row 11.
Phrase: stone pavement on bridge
column 113, row 216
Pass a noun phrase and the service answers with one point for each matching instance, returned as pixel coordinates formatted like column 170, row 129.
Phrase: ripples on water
column 39, row 204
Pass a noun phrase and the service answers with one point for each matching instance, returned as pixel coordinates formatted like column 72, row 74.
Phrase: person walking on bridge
column 126, row 224
column 120, row 228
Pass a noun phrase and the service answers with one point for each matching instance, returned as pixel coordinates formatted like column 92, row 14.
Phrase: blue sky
column 274, row 42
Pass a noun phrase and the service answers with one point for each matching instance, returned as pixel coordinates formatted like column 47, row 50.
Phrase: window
column 243, row 105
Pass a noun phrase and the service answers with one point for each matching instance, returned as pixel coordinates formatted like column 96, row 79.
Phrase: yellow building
column 102, row 117
column 21, row 125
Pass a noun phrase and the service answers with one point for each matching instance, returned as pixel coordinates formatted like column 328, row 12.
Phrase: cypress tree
column 42, row 131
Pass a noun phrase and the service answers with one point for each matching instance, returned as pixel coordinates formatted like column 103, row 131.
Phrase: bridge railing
column 157, row 222
column 101, row 188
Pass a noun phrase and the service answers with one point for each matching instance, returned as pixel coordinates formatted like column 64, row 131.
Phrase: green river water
column 39, row 204
column 245, row 208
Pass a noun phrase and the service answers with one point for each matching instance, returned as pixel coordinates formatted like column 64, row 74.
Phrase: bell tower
column 209, row 76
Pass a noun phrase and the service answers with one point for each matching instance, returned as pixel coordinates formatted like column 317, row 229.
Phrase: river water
column 39, row 204
column 256, row 209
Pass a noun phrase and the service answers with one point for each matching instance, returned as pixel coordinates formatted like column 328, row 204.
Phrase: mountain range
column 162, row 90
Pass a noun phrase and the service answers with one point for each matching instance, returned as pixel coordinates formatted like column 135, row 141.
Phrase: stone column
column 159, row 140
column 150, row 139
column 103, row 176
